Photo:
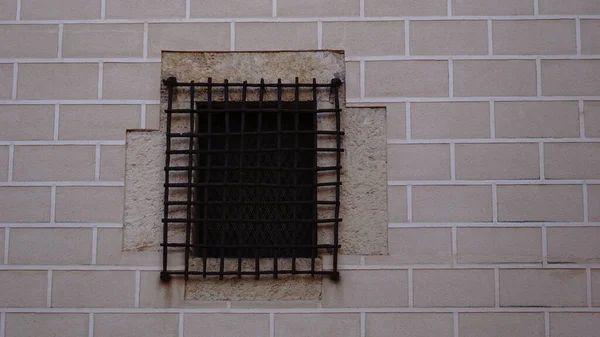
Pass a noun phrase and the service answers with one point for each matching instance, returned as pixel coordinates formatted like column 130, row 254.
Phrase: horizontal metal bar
column 199, row 245
column 274, row 203
column 252, row 85
column 218, row 221
column 252, row 168
column 262, row 110
column 226, row 184
column 255, row 133
column 299, row 149
column 254, row 273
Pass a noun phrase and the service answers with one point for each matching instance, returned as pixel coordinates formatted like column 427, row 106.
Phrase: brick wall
column 493, row 156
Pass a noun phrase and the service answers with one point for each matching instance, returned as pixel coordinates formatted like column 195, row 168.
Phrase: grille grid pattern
column 245, row 178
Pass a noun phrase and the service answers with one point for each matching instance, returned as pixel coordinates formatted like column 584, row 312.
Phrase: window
column 253, row 174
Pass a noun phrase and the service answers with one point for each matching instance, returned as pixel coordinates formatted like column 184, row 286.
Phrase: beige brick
column 418, row 162
column 6, row 80
column 452, row 203
column 528, row 37
column 499, row 245
column 591, row 111
column 103, row 40
column 572, row 160
column 46, row 324
column 410, row 325
column 356, row 38
column 396, row 120
column 585, row 7
column 112, row 163
column 125, row 325
column 12, row 200
column 8, row 10
column 317, row 8
column 492, row 7
column 131, row 81
column 495, row 78
column 594, row 202
column 226, row 325
column 571, row 77
column 542, row 287
column 590, row 36
column 352, row 79
column 275, row 36
column 93, row 289
column 367, row 288
column 60, row 9
column 497, row 161
column 596, row 287
column 110, row 244
column 230, row 8
column 322, row 324
column 540, row 203
column 152, row 116
column 453, row 288
column 406, row 78
column 559, row 119
column 397, row 204
column 2, row 244
column 187, row 36
column 97, row 122
column 573, row 244
column 416, row 246
column 26, row 122
column 89, row 204
column 501, row 324
column 59, row 246
column 450, row 120
column 23, row 288
column 58, row 81
column 146, row 9
column 448, row 38
column 405, row 8
column 157, row 294
column 583, row 324
column 4, row 163
column 31, row 41
column 54, row 163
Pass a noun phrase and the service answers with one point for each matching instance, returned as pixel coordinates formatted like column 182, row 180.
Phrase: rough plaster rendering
column 493, row 181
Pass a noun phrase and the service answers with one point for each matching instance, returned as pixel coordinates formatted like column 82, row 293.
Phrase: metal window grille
column 245, row 178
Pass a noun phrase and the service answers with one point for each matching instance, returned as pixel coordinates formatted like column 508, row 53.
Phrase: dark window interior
column 255, row 179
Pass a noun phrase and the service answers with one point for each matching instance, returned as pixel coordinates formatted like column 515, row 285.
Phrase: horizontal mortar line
column 63, row 142
column 341, row 267
column 81, row 60
column 471, row 266
column 467, row 99
column 78, row 101
column 93, row 267
column 348, row 58
column 468, row 57
column 490, row 182
column 298, row 310
column 492, row 141
column 63, row 183
column 60, row 225
column 308, row 19
column 491, row 224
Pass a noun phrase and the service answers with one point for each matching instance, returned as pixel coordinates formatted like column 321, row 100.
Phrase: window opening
column 244, row 169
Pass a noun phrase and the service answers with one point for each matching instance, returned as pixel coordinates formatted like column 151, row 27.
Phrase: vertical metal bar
column 224, row 226
column 315, row 179
column 279, row 160
column 295, row 172
column 169, row 83
column 242, row 121
column 258, row 129
column 335, row 87
column 207, row 176
column 188, row 224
